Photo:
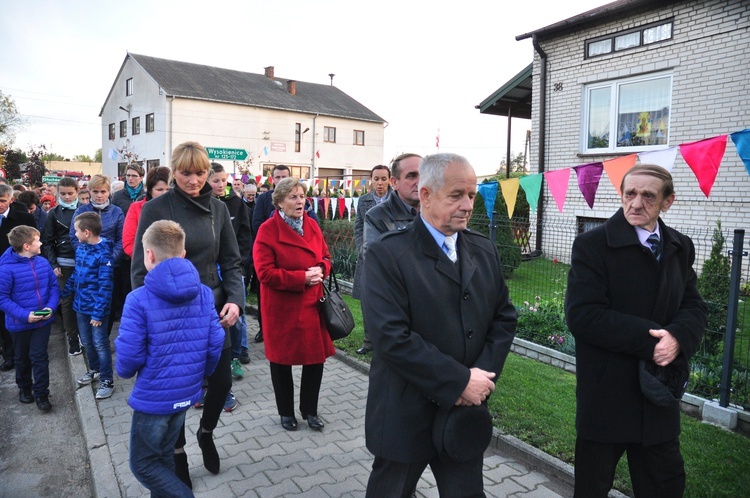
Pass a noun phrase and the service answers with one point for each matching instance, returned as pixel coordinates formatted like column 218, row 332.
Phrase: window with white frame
column 359, row 137
column 129, row 87
column 630, row 114
column 630, row 38
column 329, row 134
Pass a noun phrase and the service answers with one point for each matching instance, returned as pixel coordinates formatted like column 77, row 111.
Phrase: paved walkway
column 261, row 459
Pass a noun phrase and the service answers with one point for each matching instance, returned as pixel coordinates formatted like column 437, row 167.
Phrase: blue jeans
column 95, row 342
column 152, row 440
column 31, row 357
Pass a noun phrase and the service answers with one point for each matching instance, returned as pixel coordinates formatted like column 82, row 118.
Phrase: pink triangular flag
column 557, row 182
column 616, row 169
column 589, row 176
column 704, row 158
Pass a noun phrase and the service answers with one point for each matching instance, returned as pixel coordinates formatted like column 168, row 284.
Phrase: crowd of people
column 171, row 254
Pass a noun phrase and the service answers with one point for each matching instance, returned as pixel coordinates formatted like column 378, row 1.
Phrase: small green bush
column 713, row 284
column 543, row 322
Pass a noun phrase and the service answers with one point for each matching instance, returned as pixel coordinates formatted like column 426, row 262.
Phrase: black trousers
column 219, row 384
column 654, row 470
column 454, row 479
column 8, row 352
column 283, row 388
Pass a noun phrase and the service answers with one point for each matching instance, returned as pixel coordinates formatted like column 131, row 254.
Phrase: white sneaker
column 106, row 388
column 88, row 377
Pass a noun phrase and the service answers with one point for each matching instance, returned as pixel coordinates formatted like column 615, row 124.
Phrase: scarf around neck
column 134, row 192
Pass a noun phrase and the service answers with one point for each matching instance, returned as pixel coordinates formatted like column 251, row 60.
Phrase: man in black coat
column 440, row 330
column 634, row 309
column 9, row 219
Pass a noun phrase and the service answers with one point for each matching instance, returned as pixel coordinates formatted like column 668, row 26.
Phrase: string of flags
column 702, row 157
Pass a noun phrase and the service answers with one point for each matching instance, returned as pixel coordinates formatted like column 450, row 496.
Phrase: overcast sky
column 421, row 65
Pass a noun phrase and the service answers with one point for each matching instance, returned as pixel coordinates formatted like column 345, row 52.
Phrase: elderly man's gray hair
column 432, row 169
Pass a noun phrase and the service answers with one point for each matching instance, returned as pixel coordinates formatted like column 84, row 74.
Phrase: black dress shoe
column 289, row 423
column 314, row 422
column 364, row 350
column 25, row 397
column 7, row 365
column 259, row 336
column 42, row 402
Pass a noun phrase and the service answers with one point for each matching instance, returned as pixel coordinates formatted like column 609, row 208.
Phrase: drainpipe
column 171, row 133
column 542, row 133
column 312, row 158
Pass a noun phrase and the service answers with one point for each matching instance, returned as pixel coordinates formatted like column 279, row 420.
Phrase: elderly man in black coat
column 441, row 324
column 636, row 314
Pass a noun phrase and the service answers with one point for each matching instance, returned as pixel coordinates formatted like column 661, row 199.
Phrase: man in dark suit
column 634, row 309
column 441, row 324
column 380, row 189
column 9, row 219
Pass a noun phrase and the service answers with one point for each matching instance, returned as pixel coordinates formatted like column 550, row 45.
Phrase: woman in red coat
column 157, row 183
column 292, row 260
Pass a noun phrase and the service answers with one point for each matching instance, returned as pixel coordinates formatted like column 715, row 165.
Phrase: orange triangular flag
column 616, row 169
column 326, row 203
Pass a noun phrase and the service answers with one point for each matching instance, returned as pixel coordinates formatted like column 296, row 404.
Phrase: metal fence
column 537, row 279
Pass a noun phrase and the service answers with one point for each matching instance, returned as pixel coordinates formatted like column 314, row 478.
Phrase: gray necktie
column 450, row 244
column 653, row 241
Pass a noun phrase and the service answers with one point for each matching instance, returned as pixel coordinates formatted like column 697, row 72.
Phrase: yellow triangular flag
column 510, row 192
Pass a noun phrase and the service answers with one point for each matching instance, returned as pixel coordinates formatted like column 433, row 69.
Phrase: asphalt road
column 43, row 454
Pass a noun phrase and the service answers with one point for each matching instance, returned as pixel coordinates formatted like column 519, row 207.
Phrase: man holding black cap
column 634, row 309
column 441, row 325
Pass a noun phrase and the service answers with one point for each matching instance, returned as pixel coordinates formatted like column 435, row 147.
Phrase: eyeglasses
column 132, row 176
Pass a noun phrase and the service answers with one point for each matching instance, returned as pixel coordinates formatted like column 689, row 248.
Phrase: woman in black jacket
column 211, row 245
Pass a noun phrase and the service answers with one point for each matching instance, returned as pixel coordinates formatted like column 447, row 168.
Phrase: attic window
column 129, row 87
column 631, row 38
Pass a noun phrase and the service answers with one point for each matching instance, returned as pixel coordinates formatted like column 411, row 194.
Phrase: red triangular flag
column 317, row 154
column 704, row 158
column 342, row 207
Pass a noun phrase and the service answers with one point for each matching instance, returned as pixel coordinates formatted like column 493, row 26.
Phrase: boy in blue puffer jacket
column 92, row 281
column 171, row 337
column 29, row 297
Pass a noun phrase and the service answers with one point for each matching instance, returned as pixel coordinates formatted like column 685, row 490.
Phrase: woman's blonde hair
column 190, row 157
column 99, row 181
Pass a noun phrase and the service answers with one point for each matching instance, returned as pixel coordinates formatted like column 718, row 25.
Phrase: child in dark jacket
column 171, row 337
column 92, row 282
column 61, row 254
column 29, row 297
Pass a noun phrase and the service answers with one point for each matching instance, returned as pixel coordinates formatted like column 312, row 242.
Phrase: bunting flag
column 317, row 154
column 257, row 180
column 245, row 178
column 349, row 184
column 532, row 185
column 326, row 203
column 704, row 158
column 488, row 191
column 664, row 158
column 616, row 169
column 265, row 151
column 348, row 204
column 263, row 180
column 355, row 203
column 341, row 206
column 589, row 176
column 558, row 185
column 317, row 181
column 333, row 183
column 334, row 207
column 741, row 141
column 315, row 204
column 510, row 194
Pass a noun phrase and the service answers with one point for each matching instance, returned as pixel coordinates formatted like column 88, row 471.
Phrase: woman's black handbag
column 336, row 313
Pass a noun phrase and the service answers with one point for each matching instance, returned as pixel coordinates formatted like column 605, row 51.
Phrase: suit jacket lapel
column 466, row 260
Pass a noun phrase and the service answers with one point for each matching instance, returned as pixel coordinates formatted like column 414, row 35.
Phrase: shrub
column 510, row 252
column 713, row 284
column 543, row 322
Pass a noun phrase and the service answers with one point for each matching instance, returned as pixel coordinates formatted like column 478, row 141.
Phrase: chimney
column 269, row 72
column 291, row 87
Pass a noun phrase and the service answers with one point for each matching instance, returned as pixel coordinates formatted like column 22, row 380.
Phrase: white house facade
column 634, row 76
column 317, row 130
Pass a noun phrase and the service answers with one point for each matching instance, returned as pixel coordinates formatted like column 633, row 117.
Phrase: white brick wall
column 708, row 57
